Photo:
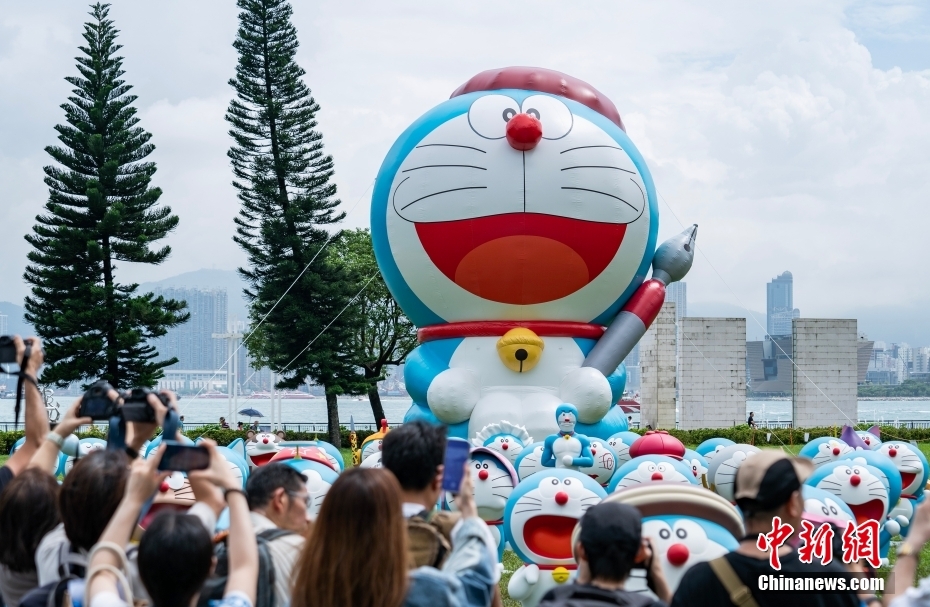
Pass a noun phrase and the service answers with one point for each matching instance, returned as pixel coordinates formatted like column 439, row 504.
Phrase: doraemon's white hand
column 589, row 391
column 532, row 574
column 567, row 460
column 452, row 395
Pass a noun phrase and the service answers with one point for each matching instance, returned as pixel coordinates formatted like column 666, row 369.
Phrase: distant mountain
column 208, row 279
column 16, row 325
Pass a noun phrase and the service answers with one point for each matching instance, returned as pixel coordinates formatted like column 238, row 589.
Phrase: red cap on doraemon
column 545, row 81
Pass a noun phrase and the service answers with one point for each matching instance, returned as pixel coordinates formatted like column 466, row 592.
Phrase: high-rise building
column 678, row 293
column 192, row 343
column 780, row 308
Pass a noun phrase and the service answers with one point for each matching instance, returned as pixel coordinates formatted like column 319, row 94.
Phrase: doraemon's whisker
column 473, row 187
column 443, row 166
column 826, row 482
column 593, row 497
column 585, row 147
column 500, row 486
column 565, row 187
column 527, row 510
column 598, row 166
column 450, row 145
column 500, row 495
column 496, row 478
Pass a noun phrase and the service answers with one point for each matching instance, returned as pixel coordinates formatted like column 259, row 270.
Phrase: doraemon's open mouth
column 907, row 478
column 260, row 459
column 550, row 536
column 870, row 510
column 158, row 508
column 521, row 258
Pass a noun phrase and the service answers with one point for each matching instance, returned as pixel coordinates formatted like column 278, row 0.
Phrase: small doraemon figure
column 319, row 478
column 721, row 471
column 505, row 438
column 567, row 449
column 912, row 465
column 621, row 443
column 823, row 506
column 262, row 446
column 85, row 448
column 711, row 447
column 650, row 469
column 871, row 437
column 825, row 449
column 538, row 522
column 530, row 460
column 605, row 462
column 698, row 466
column 494, row 480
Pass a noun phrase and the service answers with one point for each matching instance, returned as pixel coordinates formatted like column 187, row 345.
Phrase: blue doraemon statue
column 912, row 465
column 698, row 466
column 86, row 446
column 538, row 523
column 651, row 469
column 318, row 477
column 567, row 449
column 621, row 443
column 57, row 467
column 823, row 506
column 871, row 437
column 722, row 469
column 825, row 449
column 711, row 447
column 530, row 460
column 512, row 223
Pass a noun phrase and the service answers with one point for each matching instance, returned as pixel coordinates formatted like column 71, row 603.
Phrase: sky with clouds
column 796, row 133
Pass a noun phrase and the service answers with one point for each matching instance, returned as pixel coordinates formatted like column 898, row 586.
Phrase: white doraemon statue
column 605, row 462
column 825, row 449
column 530, row 460
column 651, row 469
column 85, row 448
column 538, row 523
column 721, row 471
column 507, row 439
column 621, row 443
column 262, row 446
column 512, row 222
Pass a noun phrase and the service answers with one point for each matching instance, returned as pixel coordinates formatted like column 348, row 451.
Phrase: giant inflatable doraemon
column 538, row 522
column 512, row 223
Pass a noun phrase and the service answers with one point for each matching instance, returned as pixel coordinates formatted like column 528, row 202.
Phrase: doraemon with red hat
column 538, row 522
column 493, row 481
column 647, row 469
column 512, row 222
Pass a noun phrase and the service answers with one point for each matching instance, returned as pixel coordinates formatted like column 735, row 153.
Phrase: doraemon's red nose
column 265, row 440
column 892, row 452
column 657, row 476
column 836, row 450
column 678, row 554
column 505, row 446
column 483, row 475
column 523, row 132
column 854, row 480
column 561, row 498
column 164, row 487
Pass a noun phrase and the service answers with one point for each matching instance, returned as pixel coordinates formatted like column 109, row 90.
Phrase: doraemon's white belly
column 528, row 399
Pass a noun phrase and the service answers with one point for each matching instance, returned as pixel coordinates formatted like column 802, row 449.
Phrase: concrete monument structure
column 712, row 371
column 825, row 372
column 658, row 368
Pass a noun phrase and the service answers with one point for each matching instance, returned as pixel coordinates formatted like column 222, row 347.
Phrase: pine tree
column 283, row 180
column 100, row 210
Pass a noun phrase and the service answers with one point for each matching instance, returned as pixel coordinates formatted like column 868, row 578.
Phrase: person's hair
column 175, row 558
column 611, row 555
column 269, row 478
column 90, row 494
column 28, row 510
column 413, row 452
column 360, row 531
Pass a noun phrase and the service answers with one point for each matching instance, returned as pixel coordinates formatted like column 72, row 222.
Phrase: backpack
column 215, row 585
column 584, row 595
column 429, row 538
column 71, row 565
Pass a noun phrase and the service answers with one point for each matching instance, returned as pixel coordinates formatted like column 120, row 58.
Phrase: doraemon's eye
column 485, row 466
column 554, row 115
column 567, row 482
column 665, row 534
column 477, row 465
column 505, row 440
column 681, row 533
column 833, row 510
column 825, row 511
column 488, row 115
column 855, row 470
column 555, row 481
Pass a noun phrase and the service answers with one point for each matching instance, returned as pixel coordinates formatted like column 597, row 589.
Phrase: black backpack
column 584, row 595
column 215, row 585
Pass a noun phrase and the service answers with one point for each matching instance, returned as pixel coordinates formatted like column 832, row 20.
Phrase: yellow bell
column 520, row 349
column 560, row 575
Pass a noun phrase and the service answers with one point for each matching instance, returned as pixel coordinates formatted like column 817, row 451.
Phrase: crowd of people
column 378, row 541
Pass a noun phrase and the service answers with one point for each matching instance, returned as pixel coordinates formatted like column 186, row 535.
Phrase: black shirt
column 700, row 585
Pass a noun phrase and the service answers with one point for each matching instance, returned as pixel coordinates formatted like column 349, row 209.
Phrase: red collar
column 496, row 328
column 571, row 567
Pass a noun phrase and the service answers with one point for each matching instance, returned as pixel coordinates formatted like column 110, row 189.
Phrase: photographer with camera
column 29, row 356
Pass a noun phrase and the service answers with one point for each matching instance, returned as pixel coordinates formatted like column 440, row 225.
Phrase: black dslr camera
column 96, row 403
column 136, row 407
column 7, row 350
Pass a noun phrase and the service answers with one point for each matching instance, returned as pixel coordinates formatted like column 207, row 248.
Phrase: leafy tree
column 283, row 179
column 100, row 210
column 386, row 336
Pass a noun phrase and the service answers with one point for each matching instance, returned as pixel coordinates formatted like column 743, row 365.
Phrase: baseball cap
column 610, row 524
column 767, row 479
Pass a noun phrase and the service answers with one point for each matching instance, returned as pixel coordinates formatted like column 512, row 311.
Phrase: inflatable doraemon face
column 319, row 478
column 85, row 448
column 530, row 460
column 681, row 541
column 605, row 462
column 650, row 469
column 505, row 438
column 872, row 441
column 520, row 197
column 621, row 443
column 825, row 449
column 865, row 489
column 493, row 479
column 825, row 505
column 711, row 447
column 910, row 462
column 58, row 467
column 697, row 463
column 721, row 471
column 542, row 512
column 371, row 448
column 237, row 464
column 262, row 446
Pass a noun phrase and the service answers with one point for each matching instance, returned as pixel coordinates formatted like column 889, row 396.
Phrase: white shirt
column 284, row 553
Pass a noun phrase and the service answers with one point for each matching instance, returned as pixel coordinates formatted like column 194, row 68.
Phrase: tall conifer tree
column 284, row 183
column 100, row 210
